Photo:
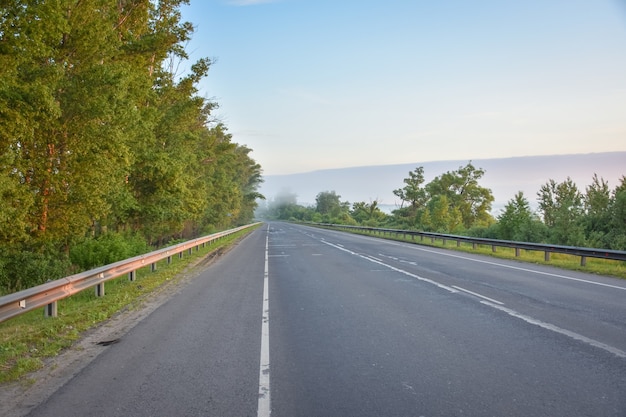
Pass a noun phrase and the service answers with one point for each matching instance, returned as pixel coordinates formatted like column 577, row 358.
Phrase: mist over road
column 360, row 326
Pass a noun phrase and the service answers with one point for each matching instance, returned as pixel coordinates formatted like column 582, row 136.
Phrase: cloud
column 249, row 2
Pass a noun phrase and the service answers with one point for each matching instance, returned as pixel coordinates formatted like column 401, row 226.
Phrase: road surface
column 299, row 321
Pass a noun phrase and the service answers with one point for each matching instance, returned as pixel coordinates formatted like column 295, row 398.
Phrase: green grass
column 565, row 261
column 27, row 340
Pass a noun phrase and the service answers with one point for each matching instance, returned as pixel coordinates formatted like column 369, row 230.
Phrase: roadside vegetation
column 106, row 149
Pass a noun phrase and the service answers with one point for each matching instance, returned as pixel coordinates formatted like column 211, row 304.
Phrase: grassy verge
column 571, row 262
column 26, row 340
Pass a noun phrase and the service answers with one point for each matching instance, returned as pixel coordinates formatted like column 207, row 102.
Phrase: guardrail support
column 51, row 310
column 547, row 256
column 493, row 248
column 583, row 261
column 132, row 275
column 99, row 289
column 518, row 252
column 169, row 260
column 153, row 266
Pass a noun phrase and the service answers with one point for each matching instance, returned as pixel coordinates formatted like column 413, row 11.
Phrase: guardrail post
column 517, row 252
column 547, row 256
column 493, row 248
column 169, row 260
column 153, row 266
column 443, row 241
column 190, row 250
column 99, row 289
column 583, row 261
column 180, row 255
column 51, row 310
column 473, row 245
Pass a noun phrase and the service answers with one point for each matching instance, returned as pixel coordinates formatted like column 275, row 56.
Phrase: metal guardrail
column 47, row 295
column 584, row 253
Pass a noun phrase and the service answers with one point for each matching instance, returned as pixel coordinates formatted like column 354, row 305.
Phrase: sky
column 319, row 84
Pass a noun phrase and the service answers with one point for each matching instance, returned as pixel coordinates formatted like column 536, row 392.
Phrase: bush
column 20, row 270
column 106, row 249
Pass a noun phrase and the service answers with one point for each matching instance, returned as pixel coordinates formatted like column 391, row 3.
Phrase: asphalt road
column 359, row 326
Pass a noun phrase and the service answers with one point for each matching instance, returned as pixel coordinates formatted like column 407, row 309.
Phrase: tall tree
column 562, row 208
column 464, row 193
column 617, row 236
column 414, row 195
column 518, row 222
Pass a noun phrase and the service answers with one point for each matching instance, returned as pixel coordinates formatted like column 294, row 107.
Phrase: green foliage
column 106, row 249
column 517, row 222
column 368, row 214
column 465, row 197
column 451, row 202
column 562, row 208
column 413, row 194
column 328, row 204
column 23, row 269
column 98, row 134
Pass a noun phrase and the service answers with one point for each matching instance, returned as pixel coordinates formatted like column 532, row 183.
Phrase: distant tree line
column 104, row 150
column 456, row 203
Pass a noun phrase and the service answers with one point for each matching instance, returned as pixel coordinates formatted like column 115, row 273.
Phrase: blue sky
column 316, row 84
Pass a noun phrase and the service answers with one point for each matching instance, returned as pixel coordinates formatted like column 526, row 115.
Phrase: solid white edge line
column 264, row 408
column 617, row 352
column 478, row 295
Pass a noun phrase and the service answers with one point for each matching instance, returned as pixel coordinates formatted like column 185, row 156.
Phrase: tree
column 515, row 216
column 98, row 132
column 518, row 222
column 464, row 194
column 413, row 194
column 328, row 204
column 616, row 238
column 562, row 208
column 597, row 218
column 367, row 214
